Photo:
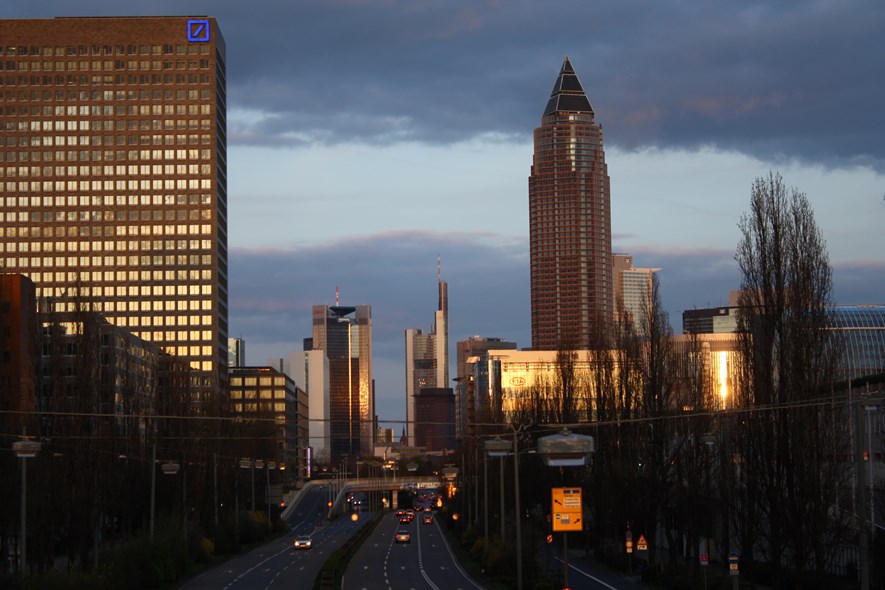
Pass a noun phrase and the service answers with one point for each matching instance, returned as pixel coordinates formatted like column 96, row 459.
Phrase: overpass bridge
column 339, row 489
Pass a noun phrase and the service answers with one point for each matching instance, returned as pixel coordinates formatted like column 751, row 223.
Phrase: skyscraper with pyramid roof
column 570, row 223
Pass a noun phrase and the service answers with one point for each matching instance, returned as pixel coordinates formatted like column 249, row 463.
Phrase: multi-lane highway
column 425, row 563
column 277, row 564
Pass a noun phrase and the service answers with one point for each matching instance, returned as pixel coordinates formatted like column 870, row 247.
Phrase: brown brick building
column 113, row 186
column 18, row 347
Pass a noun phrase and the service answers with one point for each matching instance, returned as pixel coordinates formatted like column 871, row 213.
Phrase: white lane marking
column 583, row 573
column 455, row 561
column 421, row 563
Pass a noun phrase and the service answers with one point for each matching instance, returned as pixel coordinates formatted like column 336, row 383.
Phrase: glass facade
column 113, row 176
column 861, row 332
column 347, row 343
column 569, row 223
column 427, row 360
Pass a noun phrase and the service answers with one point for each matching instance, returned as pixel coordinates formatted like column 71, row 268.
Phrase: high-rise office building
column 633, row 287
column 471, row 356
column 435, row 419
column 113, row 177
column 345, row 335
column 569, row 223
column 236, row 353
column 427, row 359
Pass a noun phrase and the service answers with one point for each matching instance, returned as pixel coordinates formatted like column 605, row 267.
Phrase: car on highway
column 403, row 536
column 302, row 542
column 428, row 519
column 405, row 520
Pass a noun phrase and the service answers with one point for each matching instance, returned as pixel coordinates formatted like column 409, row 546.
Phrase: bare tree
column 656, row 433
column 789, row 446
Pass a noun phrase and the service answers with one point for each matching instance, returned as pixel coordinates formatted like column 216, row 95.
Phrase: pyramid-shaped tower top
column 568, row 94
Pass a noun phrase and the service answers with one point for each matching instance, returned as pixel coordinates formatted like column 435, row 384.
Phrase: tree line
column 766, row 473
column 110, row 411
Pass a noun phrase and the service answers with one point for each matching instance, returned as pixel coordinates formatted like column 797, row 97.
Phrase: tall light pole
column 269, row 465
column 517, row 509
column 24, row 450
column 168, row 468
column 475, row 487
column 869, row 410
column 252, row 466
column 862, row 491
column 498, row 447
column 248, row 464
column 153, row 486
column 485, row 497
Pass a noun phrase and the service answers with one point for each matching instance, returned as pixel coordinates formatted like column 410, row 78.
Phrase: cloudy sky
column 367, row 137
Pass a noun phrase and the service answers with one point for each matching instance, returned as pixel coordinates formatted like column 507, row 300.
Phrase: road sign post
column 567, row 513
column 705, row 561
column 734, row 569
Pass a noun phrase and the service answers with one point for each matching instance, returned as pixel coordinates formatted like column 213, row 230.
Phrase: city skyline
column 439, row 102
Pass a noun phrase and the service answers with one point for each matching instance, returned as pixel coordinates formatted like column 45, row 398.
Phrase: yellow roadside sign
column 567, row 510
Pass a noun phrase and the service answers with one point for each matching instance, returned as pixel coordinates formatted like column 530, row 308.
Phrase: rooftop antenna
column 438, row 268
column 336, row 295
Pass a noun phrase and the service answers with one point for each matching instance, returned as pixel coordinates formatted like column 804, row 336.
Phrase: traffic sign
column 629, row 545
column 642, row 544
column 705, row 560
column 733, row 568
column 549, row 538
column 567, row 509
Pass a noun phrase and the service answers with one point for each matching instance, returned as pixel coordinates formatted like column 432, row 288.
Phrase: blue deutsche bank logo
column 198, row 31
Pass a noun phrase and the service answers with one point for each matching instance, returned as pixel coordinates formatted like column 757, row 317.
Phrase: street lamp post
column 153, row 487
column 709, row 440
column 168, row 468
column 518, row 510
column 269, row 465
column 248, row 464
column 498, row 447
column 485, row 497
column 252, row 468
column 869, row 410
column 259, row 464
column 566, row 450
column 24, row 450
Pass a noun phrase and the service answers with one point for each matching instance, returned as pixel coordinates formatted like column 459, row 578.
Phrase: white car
column 302, row 542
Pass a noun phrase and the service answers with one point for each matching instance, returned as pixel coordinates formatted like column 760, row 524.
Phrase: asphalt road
column 277, row 565
column 425, row 563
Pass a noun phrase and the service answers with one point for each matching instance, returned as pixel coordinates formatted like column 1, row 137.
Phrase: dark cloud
column 778, row 81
